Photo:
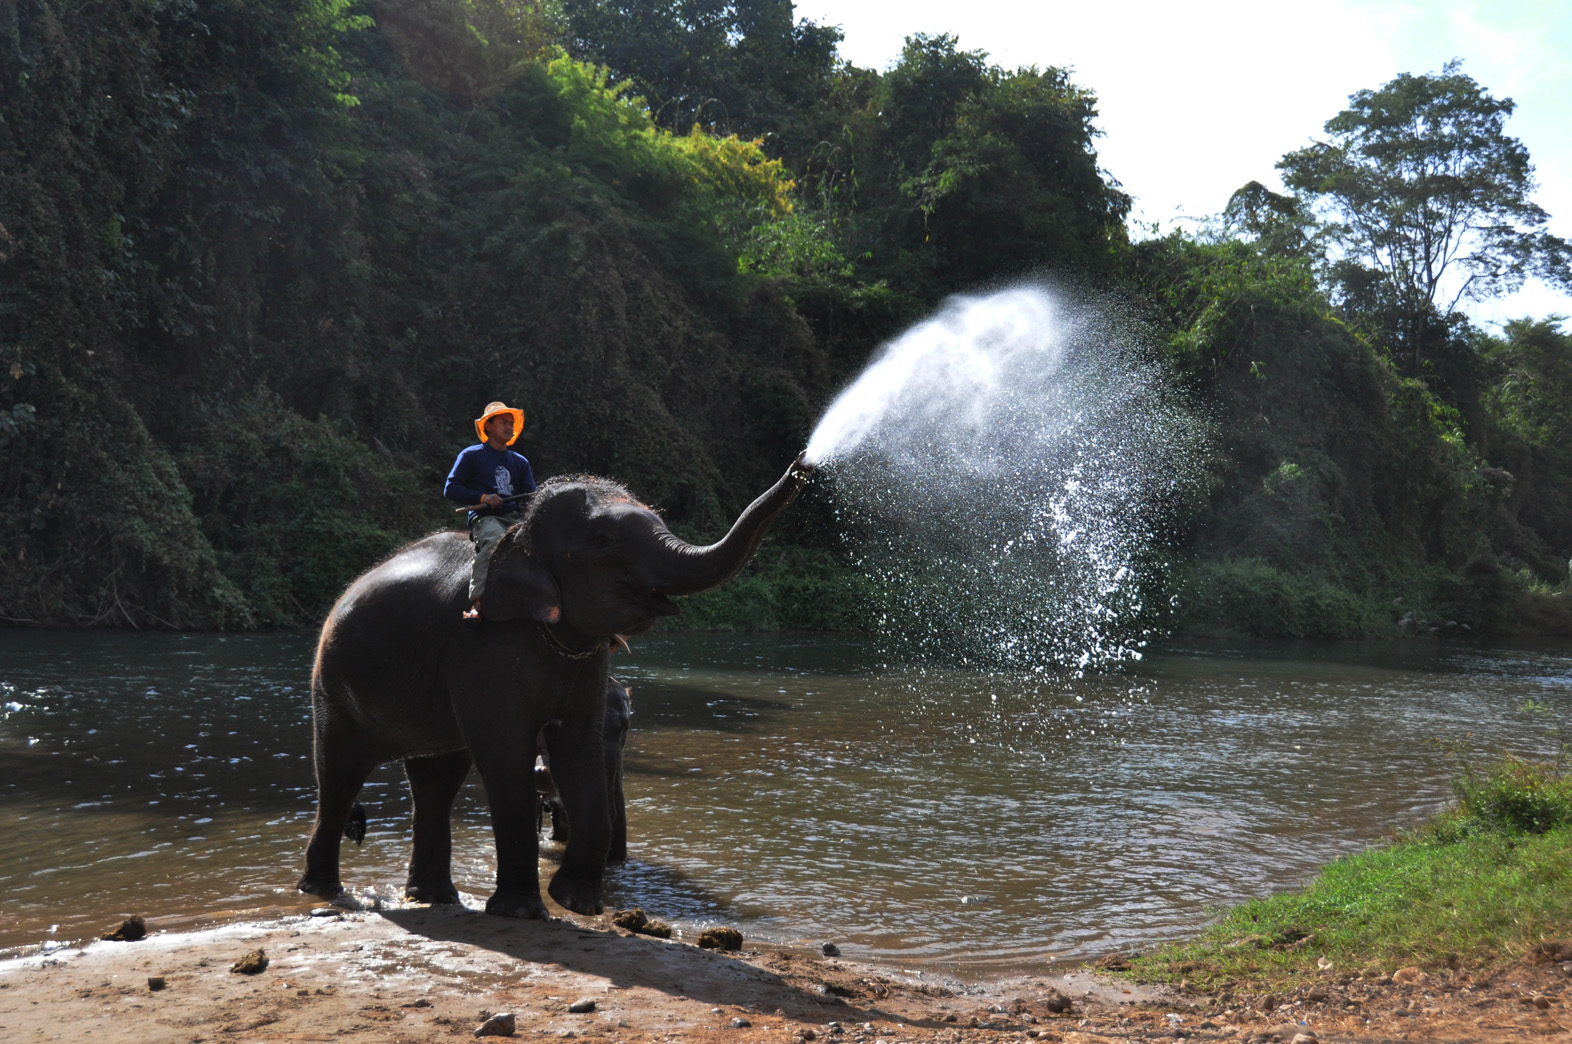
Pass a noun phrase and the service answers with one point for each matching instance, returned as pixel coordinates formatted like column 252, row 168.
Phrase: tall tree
column 733, row 66
column 1424, row 199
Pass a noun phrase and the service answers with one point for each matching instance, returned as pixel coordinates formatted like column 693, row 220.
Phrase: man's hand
column 491, row 500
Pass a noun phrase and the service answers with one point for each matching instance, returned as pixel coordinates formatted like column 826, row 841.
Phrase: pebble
column 252, row 963
column 830, row 950
column 740, row 1023
column 156, row 982
column 1412, row 973
column 501, row 1024
column 329, row 912
column 582, row 1005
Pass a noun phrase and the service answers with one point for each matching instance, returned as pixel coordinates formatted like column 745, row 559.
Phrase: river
column 787, row 785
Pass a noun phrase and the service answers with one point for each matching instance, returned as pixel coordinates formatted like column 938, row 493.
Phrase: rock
column 1304, row 1038
column 1316, row 996
column 501, row 1024
column 720, row 939
column 830, row 950
column 1566, row 968
column 252, row 963
column 1551, row 952
column 1056, row 1002
column 806, row 1033
column 1291, row 1031
column 740, row 1023
column 582, row 1005
column 1323, row 963
column 327, row 912
column 1411, row 974
column 156, row 983
column 130, row 930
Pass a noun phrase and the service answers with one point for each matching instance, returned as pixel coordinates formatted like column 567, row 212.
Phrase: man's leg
column 486, row 534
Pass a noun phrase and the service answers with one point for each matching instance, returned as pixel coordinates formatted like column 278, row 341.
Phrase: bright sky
column 1197, row 98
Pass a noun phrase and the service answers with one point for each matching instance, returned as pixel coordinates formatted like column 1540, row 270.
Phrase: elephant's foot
column 618, row 855
column 442, row 893
column 508, row 903
column 581, row 895
column 321, row 885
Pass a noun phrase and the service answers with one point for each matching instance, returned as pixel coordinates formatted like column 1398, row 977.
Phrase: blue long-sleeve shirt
column 479, row 470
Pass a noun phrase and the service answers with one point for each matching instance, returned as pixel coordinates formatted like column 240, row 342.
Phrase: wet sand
column 409, row 973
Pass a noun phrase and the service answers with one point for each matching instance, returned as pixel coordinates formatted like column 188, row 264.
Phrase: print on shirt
column 503, row 480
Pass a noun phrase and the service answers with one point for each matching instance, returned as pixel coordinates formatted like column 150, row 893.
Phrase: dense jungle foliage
column 261, row 262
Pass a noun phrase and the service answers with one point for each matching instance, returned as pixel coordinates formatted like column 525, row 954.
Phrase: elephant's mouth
column 651, row 605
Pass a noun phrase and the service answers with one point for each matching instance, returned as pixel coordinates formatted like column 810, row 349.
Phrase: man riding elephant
column 494, row 482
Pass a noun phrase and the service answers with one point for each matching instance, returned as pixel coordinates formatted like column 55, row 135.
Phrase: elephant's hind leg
column 434, row 782
column 341, row 769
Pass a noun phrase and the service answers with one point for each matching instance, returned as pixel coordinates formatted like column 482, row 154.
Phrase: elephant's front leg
column 578, row 765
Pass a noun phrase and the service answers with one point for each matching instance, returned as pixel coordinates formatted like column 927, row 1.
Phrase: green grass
column 1484, row 881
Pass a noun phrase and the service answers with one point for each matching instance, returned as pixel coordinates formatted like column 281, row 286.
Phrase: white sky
column 1197, row 97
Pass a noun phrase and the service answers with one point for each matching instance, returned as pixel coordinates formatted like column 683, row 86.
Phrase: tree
column 731, row 66
column 1424, row 201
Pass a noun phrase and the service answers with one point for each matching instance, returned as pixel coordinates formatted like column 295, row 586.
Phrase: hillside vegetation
column 261, row 262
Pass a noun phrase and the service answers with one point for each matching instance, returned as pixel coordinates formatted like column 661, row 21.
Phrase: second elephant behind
column 614, row 740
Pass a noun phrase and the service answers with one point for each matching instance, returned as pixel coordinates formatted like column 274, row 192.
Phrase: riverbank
column 413, row 973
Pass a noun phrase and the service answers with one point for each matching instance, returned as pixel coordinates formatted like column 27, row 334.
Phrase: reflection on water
column 780, row 784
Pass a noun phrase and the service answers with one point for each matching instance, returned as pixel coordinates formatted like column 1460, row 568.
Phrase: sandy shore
column 419, row 974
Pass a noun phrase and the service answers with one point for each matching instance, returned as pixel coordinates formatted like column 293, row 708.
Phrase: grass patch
column 1484, row 881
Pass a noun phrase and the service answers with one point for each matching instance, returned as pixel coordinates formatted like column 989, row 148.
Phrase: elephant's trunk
column 681, row 568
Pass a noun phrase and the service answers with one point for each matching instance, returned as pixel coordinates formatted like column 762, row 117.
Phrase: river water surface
column 783, row 784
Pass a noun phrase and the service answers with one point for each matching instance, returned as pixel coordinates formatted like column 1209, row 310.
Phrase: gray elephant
column 614, row 740
column 399, row 675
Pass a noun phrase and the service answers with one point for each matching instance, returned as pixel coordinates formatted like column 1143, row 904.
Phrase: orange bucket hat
column 493, row 409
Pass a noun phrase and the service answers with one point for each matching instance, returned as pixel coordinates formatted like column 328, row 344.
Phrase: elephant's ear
column 521, row 588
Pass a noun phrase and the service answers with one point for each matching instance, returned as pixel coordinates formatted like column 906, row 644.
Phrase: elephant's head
column 592, row 558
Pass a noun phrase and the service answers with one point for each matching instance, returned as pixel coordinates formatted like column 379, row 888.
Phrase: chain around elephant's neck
column 562, row 650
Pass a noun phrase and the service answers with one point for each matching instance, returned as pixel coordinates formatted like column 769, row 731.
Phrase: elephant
column 400, row 675
column 614, row 739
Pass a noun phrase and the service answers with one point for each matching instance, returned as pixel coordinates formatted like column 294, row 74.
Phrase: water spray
column 1001, row 472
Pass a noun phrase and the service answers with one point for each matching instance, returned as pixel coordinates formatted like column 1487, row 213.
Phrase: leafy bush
column 783, row 588
column 1253, row 598
column 1509, row 796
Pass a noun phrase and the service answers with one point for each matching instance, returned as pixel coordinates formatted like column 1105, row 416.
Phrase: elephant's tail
column 355, row 825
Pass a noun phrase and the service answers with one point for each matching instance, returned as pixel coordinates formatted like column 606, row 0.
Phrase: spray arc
column 1002, row 472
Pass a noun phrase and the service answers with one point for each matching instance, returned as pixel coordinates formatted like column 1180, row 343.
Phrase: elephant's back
column 418, row 580
column 388, row 630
